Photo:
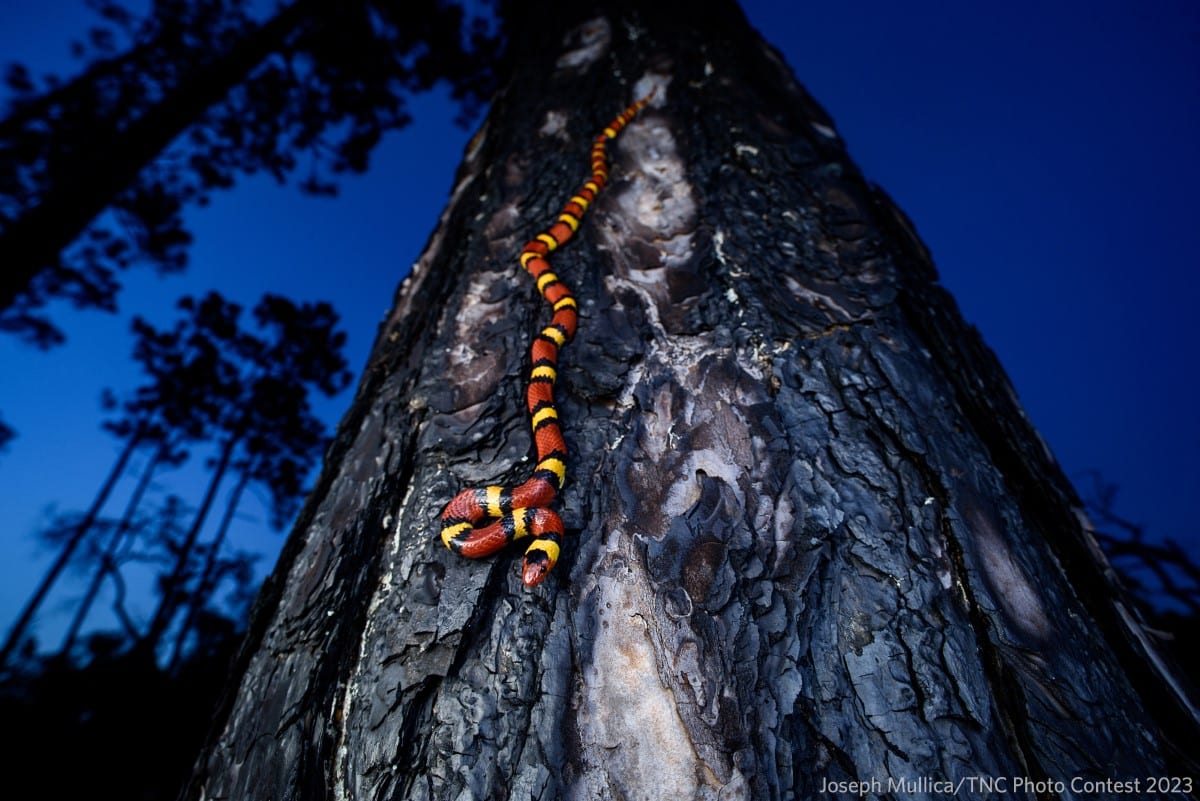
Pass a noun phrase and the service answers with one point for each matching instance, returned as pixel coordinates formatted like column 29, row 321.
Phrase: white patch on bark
column 626, row 713
column 655, row 212
column 587, row 43
column 474, row 313
column 631, row 692
column 473, row 365
column 1023, row 606
column 659, row 197
column 820, row 301
column 824, row 130
column 655, row 206
column 655, row 82
column 719, row 247
column 502, row 228
column 555, row 125
column 712, row 462
column 942, row 569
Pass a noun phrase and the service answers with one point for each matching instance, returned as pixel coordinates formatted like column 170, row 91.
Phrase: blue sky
column 1045, row 151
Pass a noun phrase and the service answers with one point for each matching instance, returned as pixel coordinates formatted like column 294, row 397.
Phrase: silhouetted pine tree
column 106, row 559
column 232, row 95
column 280, row 451
column 267, row 432
column 134, row 438
column 196, row 600
column 190, row 383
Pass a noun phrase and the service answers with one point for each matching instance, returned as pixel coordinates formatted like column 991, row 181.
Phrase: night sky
column 1047, row 153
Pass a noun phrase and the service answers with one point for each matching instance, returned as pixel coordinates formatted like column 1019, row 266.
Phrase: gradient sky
column 1047, row 153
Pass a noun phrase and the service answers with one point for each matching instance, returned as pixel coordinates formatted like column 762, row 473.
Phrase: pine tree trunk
column 17, row 633
column 107, row 560
column 206, row 585
column 812, row 538
column 173, row 585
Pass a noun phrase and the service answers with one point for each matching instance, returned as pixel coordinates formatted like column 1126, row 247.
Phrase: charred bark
column 813, row 537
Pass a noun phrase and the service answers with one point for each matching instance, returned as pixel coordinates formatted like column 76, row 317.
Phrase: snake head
column 538, row 564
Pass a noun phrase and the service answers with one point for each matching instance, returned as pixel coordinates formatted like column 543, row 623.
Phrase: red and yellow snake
column 522, row 511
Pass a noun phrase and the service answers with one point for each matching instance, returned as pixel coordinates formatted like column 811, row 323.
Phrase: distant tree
column 189, row 383
column 209, row 380
column 266, row 432
column 316, row 82
column 146, row 540
column 199, row 600
column 279, row 453
column 70, row 544
column 105, row 560
column 1162, row 576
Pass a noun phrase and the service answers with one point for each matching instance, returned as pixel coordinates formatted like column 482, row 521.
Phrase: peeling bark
column 812, row 537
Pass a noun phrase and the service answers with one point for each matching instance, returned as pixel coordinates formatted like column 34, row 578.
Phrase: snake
column 508, row 514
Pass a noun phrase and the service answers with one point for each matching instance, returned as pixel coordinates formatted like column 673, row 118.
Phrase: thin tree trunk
column 111, row 162
column 120, row 592
column 206, row 584
column 173, row 586
column 108, row 558
column 812, row 537
column 17, row 633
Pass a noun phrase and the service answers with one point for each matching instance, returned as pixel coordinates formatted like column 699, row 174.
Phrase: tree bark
column 812, row 537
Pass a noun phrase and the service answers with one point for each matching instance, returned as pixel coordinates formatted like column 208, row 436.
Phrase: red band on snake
column 520, row 512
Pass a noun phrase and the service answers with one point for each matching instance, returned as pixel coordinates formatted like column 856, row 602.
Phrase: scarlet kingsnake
column 522, row 511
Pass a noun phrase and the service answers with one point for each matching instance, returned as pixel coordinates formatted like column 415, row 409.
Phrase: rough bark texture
column 812, row 536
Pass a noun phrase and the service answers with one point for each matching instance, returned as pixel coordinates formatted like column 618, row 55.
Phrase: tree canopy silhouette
column 266, row 433
column 202, row 92
column 209, row 381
